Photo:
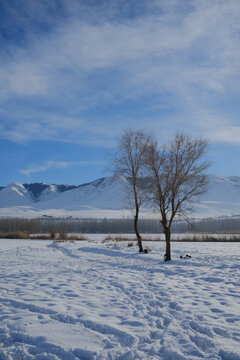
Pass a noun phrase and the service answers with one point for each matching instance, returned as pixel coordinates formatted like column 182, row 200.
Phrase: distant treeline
column 214, row 225
column 85, row 226
column 117, row 226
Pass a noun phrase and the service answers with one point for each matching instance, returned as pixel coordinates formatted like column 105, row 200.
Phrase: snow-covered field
column 88, row 300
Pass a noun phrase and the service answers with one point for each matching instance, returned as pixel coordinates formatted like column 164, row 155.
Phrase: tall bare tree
column 129, row 162
column 177, row 175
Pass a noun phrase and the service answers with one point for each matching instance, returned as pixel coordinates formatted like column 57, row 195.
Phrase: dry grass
column 14, row 235
column 41, row 237
column 71, row 238
column 79, row 236
column 116, row 239
column 58, row 237
column 131, row 243
column 107, row 239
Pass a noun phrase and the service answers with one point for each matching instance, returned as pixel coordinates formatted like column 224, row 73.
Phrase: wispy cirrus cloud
column 89, row 63
column 56, row 165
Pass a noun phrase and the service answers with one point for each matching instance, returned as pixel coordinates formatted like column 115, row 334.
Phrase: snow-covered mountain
column 105, row 197
column 14, row 194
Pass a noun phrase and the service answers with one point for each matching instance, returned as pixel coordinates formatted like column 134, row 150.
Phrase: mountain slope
column 14, row 194
column 105, row 197
column 222, row 197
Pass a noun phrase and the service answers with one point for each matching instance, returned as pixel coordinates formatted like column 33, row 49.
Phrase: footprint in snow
column 222, row 332
column 202, row 342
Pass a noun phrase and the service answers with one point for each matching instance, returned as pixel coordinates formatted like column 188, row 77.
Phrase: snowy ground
column 88, row 300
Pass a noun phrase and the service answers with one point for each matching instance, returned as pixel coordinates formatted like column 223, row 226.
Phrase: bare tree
column 177, row 175
column 129, row 162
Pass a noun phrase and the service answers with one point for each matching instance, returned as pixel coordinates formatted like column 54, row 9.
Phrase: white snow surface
column 106, row 198
column 94, row 300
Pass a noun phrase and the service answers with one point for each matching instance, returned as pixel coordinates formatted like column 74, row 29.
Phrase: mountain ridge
column 105, row 197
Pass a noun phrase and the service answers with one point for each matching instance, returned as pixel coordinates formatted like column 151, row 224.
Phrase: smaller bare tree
column 129, row 162
column 177, row 175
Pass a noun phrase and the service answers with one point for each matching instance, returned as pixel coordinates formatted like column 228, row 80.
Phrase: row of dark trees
column 166, row 176
column 116, row 226
column 85, row 226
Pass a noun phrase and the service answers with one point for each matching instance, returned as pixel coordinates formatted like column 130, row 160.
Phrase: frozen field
column 88, row 300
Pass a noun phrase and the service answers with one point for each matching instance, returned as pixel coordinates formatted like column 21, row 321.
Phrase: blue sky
column 74, row 73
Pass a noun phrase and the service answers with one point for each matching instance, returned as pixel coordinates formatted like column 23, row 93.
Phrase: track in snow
column 99, row 301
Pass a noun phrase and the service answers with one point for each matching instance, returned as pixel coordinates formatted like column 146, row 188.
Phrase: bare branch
column 177, row 174
column 129, row 161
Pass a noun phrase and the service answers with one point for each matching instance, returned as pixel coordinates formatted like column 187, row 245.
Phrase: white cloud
column 58, row 128
column 229, row 134
column 189, row 51
column 55, row 165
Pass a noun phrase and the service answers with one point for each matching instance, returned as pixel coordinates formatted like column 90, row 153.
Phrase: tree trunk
column 167, row 232
column 139, row 239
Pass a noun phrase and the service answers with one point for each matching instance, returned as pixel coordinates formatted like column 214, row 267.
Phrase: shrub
column 14, row 235
column 52, row 234
column 115, row 238
column 62, row 234
column 41, row 237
